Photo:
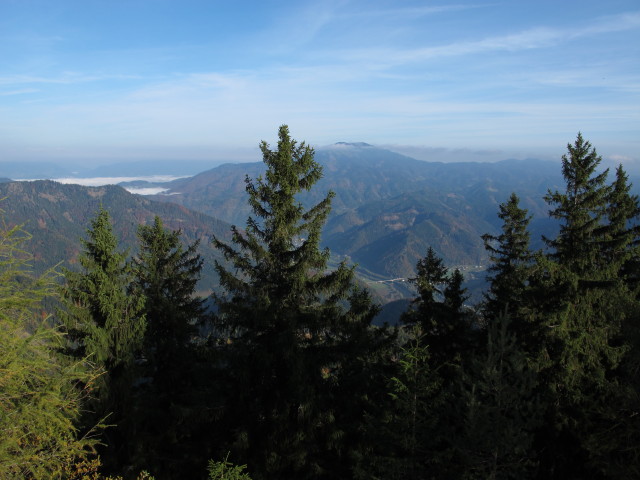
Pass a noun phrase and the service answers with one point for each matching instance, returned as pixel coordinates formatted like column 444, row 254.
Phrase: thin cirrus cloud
column 403, row 13
column 64, row 78
column 351, row 66
column 21, row 91
column 538, row 37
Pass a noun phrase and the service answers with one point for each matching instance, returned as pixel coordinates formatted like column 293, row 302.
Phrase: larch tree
column 39, row 401
column 290, row 336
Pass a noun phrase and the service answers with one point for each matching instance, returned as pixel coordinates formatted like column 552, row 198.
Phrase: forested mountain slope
column 58, row 215
column 389, row 208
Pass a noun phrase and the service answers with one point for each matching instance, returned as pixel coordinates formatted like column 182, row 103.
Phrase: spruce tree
column 618, row 435
column 511, row 262
column 289, row 337
column 455, row 295
column 427, row 306
column 409, row 431
column 501, row 410
column 439, row 310
column 456, row 340
column 621, row 250
column 105, row 323
column 580, row 337
column 166, row 276
column 581, row 210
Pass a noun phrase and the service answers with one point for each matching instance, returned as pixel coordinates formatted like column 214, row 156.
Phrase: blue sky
column 102, row 81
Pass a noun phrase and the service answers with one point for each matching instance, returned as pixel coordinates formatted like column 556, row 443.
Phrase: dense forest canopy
column 124, row 371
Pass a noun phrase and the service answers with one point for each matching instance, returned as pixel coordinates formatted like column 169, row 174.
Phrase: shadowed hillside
column 57, row 217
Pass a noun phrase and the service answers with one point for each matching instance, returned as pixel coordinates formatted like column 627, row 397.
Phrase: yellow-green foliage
column 39, row 397
column 225, row 470
column 90, row 470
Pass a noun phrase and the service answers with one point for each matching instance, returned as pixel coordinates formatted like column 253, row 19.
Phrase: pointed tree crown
column 278, row 259
column 580, row 209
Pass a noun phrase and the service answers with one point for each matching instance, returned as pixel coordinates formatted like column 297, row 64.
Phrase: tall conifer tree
column 511, row 263
column 581, row 210
column 409, row 431
column 622, row 249
column 429, row 281
column 106, row 324
column 289, row 335
column 439, row 310
column 166, row 275
column 500, row 409
column 580, row 336
column 455, row 295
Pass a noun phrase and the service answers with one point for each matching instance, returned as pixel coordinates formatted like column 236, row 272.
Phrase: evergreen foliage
column 439, row 310
column 580, row 337
column 447, row 334
column 225, row 470
column 502, row 411
column 290, row 338
column 427, row 308
column 511, row 262
column 166, row 275
column 621, row 248
column 105, row 322
column 457, row 316
column 408, row 431
column 580, row 209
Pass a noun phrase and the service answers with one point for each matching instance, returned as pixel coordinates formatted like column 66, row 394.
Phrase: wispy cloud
column 21, row 91
column 412, row 12
column 300, row 27
column 64, row 78
column 601, row 76
column 608, row 24
column 538, row 37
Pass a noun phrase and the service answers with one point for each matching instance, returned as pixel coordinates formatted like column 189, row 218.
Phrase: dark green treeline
column 284, row 373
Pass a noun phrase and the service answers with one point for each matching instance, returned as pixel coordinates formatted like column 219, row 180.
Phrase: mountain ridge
column 57, row 216
column 444, row 206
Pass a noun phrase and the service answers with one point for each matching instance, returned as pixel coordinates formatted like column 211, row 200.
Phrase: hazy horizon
column 102, row 82
column 154, row 169
column 243, row 155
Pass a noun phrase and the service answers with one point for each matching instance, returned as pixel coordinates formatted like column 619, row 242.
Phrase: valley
column 387, row 210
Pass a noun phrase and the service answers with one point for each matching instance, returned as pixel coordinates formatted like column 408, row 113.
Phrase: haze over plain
column 101, row 82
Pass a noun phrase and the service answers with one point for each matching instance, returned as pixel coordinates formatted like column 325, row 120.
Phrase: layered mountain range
column 388, row 209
